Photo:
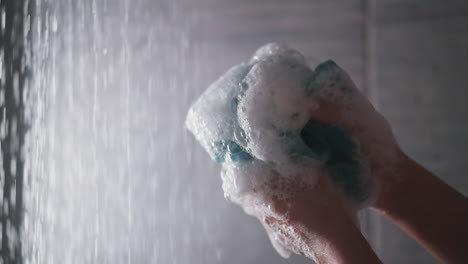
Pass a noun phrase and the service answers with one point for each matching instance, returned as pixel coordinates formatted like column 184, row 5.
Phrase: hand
column 417, row 201
column 373, row 135
column 315, row 222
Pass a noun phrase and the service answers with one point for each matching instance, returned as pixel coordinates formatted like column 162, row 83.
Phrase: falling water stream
column 113, row 164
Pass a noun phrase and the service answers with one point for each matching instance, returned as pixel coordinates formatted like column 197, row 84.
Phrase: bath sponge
column 255, row 121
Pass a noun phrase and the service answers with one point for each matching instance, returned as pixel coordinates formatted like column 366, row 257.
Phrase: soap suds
column 255, row 121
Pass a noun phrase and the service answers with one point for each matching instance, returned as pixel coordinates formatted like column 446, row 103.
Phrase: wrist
column 396, row 186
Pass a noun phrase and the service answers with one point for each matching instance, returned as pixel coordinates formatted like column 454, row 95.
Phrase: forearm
column 429, row 210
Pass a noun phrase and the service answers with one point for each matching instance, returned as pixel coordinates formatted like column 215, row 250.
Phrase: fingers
column 326, row 112
column 332, row 114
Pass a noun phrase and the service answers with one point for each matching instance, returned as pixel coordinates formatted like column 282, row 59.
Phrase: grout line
column 374, row 224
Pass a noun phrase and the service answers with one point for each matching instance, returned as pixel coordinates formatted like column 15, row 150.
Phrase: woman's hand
column 315, row 223
column 374, row 137
column 417, row 201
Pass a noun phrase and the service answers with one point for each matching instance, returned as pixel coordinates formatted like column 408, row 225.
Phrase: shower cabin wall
column 115, row 178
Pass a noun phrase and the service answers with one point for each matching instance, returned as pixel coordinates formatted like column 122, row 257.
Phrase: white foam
column 251, row 118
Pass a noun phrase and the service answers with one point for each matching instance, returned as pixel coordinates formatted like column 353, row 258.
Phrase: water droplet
column 54, row 24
